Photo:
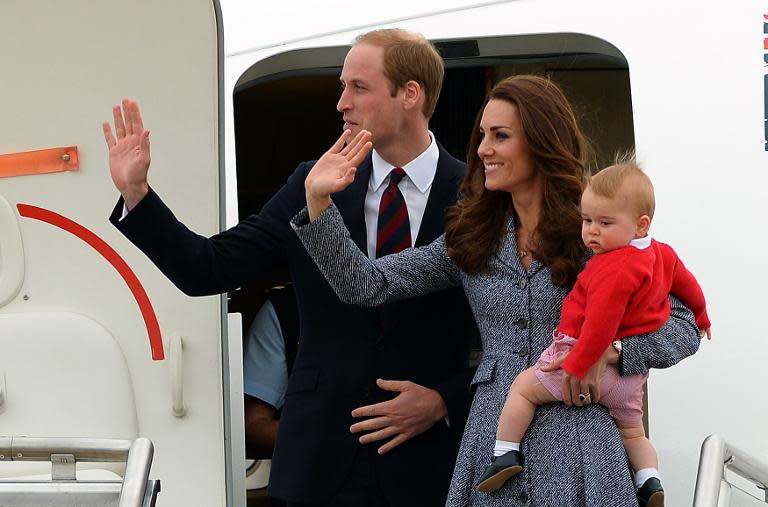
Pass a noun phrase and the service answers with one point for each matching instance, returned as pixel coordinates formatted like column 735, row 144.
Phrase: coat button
column 522, row 323
column 523, row 496
column 522, row 283
column 523, row 352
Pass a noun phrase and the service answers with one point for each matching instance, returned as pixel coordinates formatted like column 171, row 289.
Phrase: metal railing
column 717, row 456
column 136, row 490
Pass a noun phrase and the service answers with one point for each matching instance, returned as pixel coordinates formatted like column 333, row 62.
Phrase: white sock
column 643, row 475
column 503, row 447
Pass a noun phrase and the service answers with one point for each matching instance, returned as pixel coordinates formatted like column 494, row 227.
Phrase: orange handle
column 50, row 160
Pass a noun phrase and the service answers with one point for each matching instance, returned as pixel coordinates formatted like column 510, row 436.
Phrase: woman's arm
column 675, row 340
column 359, row 280
column 356, row 279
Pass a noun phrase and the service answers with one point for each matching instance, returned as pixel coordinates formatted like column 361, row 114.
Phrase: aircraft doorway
column 285, row 115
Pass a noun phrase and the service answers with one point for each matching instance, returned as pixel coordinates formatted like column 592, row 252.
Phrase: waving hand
column 128, row 152
column 335, row 170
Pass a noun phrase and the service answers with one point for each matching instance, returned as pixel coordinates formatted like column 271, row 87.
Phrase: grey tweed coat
column 574, row 456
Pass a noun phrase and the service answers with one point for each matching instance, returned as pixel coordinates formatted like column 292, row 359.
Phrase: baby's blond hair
column 626, row 180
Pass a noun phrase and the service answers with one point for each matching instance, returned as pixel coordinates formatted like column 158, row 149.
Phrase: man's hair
column 409, row 56
column 625, row 179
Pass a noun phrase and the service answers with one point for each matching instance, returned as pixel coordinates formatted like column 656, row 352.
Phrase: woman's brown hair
column 476, row 224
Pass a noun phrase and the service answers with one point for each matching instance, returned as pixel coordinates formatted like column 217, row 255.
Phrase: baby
column 621, row 292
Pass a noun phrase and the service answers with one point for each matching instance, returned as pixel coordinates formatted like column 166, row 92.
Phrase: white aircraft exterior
column 80, row 354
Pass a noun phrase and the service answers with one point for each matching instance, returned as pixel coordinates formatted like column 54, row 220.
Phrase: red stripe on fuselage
column 101, row 246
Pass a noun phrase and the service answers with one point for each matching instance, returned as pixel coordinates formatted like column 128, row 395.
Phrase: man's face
column 366, row 100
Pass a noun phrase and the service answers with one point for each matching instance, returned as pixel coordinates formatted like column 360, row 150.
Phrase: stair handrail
column 716, row 456
column 103, row 450
column 136, row 473
column 136, row 454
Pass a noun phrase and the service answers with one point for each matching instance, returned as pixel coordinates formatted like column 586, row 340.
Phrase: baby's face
column 607, row 223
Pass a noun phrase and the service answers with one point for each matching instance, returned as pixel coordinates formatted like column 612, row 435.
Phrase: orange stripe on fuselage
column 50, row 160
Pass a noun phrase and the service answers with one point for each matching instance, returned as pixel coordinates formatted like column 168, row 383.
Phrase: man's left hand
column 410, row 413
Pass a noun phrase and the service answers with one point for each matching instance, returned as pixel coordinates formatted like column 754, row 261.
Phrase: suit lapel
column 442, row 195
column 351, row 205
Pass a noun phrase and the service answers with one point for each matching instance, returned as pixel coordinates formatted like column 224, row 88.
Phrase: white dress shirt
column 415, row 187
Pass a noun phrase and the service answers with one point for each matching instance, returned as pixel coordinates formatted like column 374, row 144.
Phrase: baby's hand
column 707, row 332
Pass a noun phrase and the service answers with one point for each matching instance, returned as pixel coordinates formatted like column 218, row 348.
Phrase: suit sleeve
column 203, row 266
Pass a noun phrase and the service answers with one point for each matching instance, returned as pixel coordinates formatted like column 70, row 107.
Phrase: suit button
column 523, row 352
column 523, row 496
column 522, row 283
column 522, row 323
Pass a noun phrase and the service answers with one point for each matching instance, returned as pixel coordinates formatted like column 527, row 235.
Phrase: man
column 270, row 351
column 391, row 80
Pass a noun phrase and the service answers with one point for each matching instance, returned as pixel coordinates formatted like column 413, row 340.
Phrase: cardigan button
column 522, row 283
column 522, row 323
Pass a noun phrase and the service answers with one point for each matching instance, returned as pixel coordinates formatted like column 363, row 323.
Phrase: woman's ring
column 585, row 398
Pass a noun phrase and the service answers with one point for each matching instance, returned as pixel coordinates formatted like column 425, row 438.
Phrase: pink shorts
column 622, row 396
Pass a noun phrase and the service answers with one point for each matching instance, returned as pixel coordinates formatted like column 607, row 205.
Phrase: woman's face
column 504, row 150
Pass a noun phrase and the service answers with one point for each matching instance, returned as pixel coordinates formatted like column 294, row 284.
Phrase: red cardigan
column 624, row 293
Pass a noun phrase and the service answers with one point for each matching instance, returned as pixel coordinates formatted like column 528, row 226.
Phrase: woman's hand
column 335, row 170
column 589, row 386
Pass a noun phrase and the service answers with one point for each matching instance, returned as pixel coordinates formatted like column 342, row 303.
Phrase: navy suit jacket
column 343, row 349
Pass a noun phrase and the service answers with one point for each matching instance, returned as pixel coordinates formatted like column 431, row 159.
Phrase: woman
column 513, row 243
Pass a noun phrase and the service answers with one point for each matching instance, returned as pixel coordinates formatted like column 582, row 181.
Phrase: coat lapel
column 508, row 253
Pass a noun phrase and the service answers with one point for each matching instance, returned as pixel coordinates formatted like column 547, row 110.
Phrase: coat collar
column 509, row 255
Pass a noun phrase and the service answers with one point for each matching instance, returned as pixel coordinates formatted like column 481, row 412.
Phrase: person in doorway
column 377, row 399
column 513, row 243
column 622, row 291
column 270, row 348
column 269, row 353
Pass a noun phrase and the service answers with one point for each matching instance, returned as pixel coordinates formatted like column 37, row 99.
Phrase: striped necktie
column 394, row 230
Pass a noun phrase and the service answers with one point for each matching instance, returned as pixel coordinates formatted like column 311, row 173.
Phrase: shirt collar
column 641, row 243
column 420, row 170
